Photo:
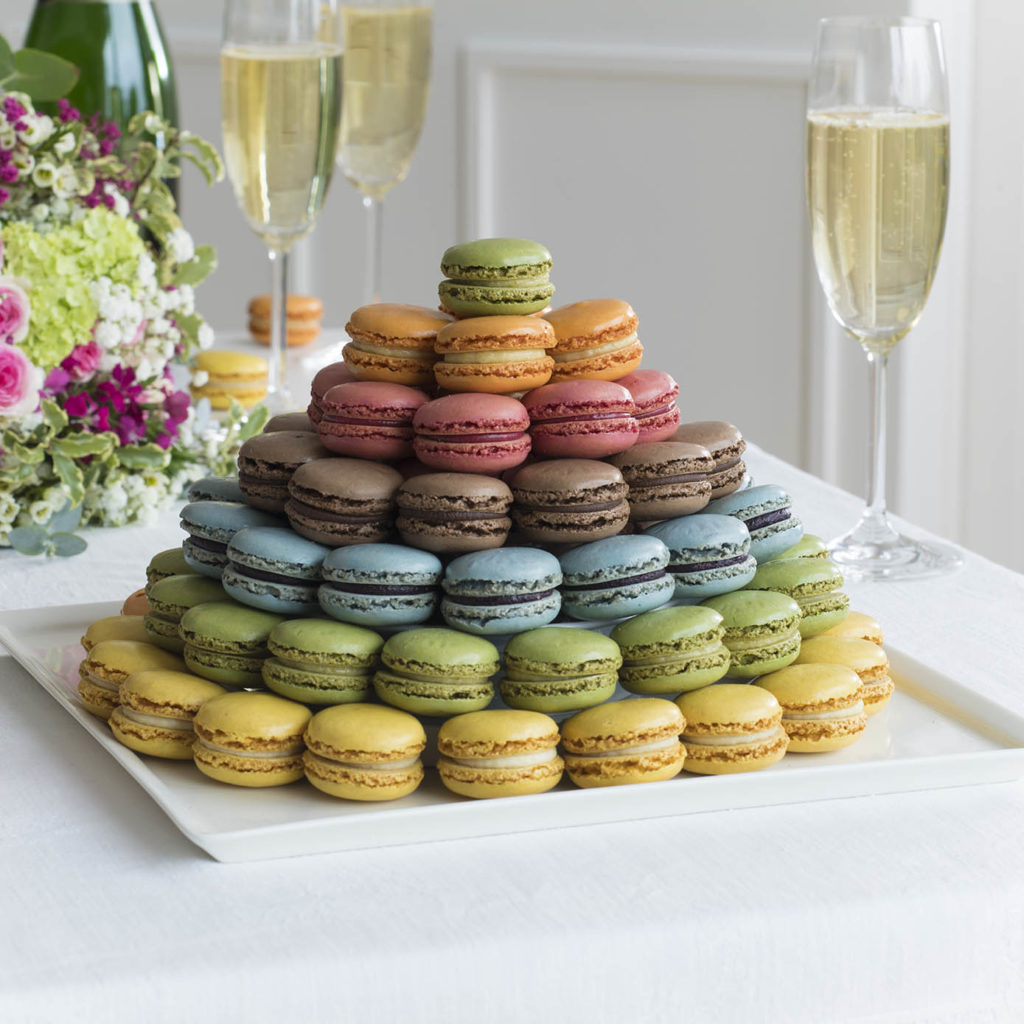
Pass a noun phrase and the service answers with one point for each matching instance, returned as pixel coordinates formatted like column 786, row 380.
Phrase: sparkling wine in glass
column 877, row 187
column 387, row 46
column 281, row 89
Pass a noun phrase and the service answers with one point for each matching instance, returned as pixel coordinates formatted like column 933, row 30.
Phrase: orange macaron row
column 595, row 339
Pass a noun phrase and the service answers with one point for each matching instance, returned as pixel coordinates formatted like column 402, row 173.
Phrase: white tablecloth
column 901, row 908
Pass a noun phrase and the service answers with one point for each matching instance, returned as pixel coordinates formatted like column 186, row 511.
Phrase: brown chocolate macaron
column 289, row 421
column 343, row 501
column 569, row 501
column 726, row 445
column 453, row 513
column 266, row 463
column 666, row 479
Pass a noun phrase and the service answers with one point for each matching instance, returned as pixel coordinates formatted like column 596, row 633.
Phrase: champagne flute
column 877, row 177
column 387, row 47
column 280, row 110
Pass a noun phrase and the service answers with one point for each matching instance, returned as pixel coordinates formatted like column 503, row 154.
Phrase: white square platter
column 934, row 733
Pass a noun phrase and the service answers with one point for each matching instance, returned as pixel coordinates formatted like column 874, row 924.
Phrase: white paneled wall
column 656, row 147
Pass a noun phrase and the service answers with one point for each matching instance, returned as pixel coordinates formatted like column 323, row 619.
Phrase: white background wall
column 656, row 147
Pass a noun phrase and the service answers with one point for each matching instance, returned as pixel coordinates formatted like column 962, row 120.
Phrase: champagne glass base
column 874, row 556
column 279, row 400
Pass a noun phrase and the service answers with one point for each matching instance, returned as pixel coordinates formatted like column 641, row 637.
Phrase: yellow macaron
column 822, row 707
column 109, row 663
column 221, row 375
column 115, row 627
column 866, row 658
column 860, row 626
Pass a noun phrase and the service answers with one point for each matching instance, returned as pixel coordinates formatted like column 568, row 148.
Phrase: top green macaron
column 496, row 276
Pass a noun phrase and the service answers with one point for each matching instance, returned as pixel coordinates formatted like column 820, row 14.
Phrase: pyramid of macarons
column 467, row 482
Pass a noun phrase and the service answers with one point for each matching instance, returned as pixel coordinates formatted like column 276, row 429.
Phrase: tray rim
column 564, row 808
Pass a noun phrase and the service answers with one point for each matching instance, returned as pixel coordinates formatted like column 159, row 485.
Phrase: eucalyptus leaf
column 66, row 520
column 67, row 544
column 29, row 540
column 44, row 76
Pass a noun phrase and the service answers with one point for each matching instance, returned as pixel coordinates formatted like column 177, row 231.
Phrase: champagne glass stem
column 277, row 378
column 878, row 364
column 374, row 242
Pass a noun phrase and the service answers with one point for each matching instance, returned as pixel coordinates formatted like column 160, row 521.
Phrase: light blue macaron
column 504, row 590
column 216, row 488
column 615, row 577
column 210, row 525
column 274, row 569
column 767, row 513
column 381, row 585
column 708, row 554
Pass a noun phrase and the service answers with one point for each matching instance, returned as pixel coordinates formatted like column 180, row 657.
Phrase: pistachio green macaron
column 556, row 669
column 813, row 583
column 169, row 599
column 250, row 739
column 227, row 642
column 762, row 630
column 436, row 672
column 808, row 546
column 320, row 661
column 672, row 650
column 167, row 563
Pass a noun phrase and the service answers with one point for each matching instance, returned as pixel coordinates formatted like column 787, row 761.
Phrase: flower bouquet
column 97, row 279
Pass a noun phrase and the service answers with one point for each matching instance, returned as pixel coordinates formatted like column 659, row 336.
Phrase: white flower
column 8, row 138
column 40, row 512
column 40, row 212
column 181, row 246
column 39, row 129
column 66, row 184
column 8, row 508
column 152, row 124
column 24, row 162
column 199, row 378
column 43, row 174
column 114, row 497
column 146, row 273
column 107, row 335
column 60, row 207
column 65, row 145
column 205, row 335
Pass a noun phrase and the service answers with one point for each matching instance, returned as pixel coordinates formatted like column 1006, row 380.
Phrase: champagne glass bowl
column 387, row 53
column 877, row 189
column 281, row 91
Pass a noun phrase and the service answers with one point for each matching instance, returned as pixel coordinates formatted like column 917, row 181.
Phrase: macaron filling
column 598, row 350
column 682, row 568
column 625, row 581
column 392, row 351
column 528, row 760
column 731, row 739
column 849, row 711
column 739, row 644
column 640, row 750
column 330, row 670
column 520, row 355
column 301, row 574
column 616, row 414
column 367, row 766
column 457, row 438
column 184, row 724
column 777, row 515
column 488, row 599
column 104, row 684
column 283, row 754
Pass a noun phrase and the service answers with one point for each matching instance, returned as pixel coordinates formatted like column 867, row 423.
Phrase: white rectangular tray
column 934, row 733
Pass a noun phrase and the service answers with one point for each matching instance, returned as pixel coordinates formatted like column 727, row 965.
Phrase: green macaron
column 169, row 598
column 167, row 563
column 556, row 669
column 808, row 546
column 496, row 276
column 672, row 650
column 226, row 642
column 319, row 661
column 813, row 583
column 436, row 672
column 762, row 630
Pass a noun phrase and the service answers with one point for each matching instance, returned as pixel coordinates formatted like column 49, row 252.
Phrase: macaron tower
column 488, row 518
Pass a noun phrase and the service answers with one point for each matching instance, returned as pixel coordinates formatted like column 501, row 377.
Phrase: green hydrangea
column 58, row 268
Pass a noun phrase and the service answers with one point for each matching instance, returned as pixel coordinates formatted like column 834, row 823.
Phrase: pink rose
column 83, row 361
column 14, row 310
column 20, row 383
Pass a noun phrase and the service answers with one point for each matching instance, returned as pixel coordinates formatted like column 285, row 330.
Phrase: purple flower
column 166, row 440
column 79, row 406
column 67, row 112
column 176, row 406
column 4, row 196
column 8, row 173
column 130, row 429
column 13, row 109
column 56, row 380
column 83, row 361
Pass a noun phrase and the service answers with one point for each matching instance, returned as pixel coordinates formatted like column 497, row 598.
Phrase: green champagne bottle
column 119, row 48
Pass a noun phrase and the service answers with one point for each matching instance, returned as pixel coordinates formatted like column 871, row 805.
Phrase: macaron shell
column 750, row 505
column 587, row 419
column 708, row 554
column 369, row 419
column 155, row 741
column 494, row 354
column 596, row 340
column 472, row 433
column 654, row 394
column 726, row 444
column 858, row 626
column 813, row 583
column 172, row 561
column 109, row 663
column 761, row 630
column 666, row 479
column 495, row 276
column 485, row 783
column 393, row 343
column 867, row 659
column 136, row 603
column 624, row 742
column 822, row 709
column 115, row 627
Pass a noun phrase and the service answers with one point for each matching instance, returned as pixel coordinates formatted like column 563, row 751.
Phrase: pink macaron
column 471, row 433
column 330, row 376
column 585, row 419
column 369, row 419
column 654, row 393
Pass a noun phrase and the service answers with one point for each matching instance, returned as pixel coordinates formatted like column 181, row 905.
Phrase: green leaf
column 67, row 544
column 54, row 416
column 6, row 58
column 66, row 519
column 29, row 540
column 77, row 446
column 29, row 456
column 143, row 456
column 198, row 268
column 44, row 76
column 70, row 475
column 254, row 423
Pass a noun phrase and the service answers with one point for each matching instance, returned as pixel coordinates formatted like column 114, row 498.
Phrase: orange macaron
column 394, row 342
column 303, row 312
column 498, row 355
column 597, row 340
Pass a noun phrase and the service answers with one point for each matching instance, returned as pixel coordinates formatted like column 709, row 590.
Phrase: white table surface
column 901, row 908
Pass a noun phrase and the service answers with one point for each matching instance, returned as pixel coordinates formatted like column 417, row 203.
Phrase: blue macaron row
column 767, row 513
column 210, row 525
